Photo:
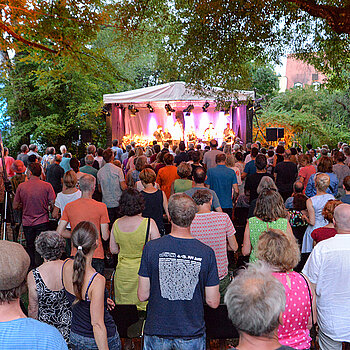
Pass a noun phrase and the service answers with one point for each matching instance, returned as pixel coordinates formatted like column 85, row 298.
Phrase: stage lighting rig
column 132, row 110
column 168, row 109
column 206, row 106
column 188, row 109
column 151, row 109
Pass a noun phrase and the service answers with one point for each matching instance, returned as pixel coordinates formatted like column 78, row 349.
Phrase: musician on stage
column 167, row 136
column 229, row 134
column 158, row 134
column 209, row 133
column 191, row 135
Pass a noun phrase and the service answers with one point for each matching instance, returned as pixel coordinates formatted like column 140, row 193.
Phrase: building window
column 314, row 76
column 298, row 85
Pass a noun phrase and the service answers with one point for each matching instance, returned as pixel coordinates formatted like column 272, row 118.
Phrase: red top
column 322, row 233
column 306, row 173
column 35, row 196
column 8, row 162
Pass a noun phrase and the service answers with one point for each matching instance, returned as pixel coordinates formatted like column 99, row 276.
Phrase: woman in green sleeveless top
column 128, row 239
column 183, row 184
column 269, row 212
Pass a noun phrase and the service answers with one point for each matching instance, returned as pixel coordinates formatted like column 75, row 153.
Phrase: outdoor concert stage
column 162, row 104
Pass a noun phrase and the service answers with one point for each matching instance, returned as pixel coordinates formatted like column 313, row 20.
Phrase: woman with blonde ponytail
column 92, row 325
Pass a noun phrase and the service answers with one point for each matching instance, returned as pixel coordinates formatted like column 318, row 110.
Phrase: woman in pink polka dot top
column 283, row 254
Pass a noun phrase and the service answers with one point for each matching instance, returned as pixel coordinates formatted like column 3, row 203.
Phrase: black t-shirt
column 181, row 157
column 54, row 175
column 286, row 174
column 252, row 182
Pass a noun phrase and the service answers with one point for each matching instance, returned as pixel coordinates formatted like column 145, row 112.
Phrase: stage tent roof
column 175, row 91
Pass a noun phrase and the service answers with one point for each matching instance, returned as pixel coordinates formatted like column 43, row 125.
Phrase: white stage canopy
column 175, row 91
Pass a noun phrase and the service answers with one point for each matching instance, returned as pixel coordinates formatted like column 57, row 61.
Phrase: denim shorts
column 152, row 342
column 79, row 342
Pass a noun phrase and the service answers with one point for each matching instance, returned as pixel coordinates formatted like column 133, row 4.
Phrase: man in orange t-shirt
column 87, row 209
column 167, row 175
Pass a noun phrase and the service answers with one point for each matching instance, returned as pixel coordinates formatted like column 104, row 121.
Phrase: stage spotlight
column 151, row 109
column 188, row 109
column 206, row 106
column 168, row 109
column 132, row 110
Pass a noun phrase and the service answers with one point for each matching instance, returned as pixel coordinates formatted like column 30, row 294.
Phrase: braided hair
column 84, row 238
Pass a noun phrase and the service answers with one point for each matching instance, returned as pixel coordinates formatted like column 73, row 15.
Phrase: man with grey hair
column 328, row 269
column 298, row 188
column 255, row 303
column 54, row 174
column 88, row 167
column 17, row 331
column 215, row 230
column 91, row 149
column 87, row 209
column 177, row 273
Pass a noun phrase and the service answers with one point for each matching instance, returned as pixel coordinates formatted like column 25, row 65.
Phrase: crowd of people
column 169, row 214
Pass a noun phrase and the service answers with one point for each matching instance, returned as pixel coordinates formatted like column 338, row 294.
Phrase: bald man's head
column 342, row 218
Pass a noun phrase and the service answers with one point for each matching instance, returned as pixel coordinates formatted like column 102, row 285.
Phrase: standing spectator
column 306, row 169
column 223, row 181
column 183, row 183
column 176, row 275
column 341, row 170
column 111, row 183
column 48, row 158
column 35, row 197
column 332, row 286
column 91, row 149
column 199, row 177
column 231, row 164
column 156, row 149
column 253, row 180
column 209, row 158
column 63, row 150
column 278, row 158
column 117, row 150
column 285, row 175
column 87, row 209
column 167, row 175
column 298, row 188
column 75, row 165
column 196, row 157
column 69, row 194
column 255, row 301
column 325, row 165
column 33, row 149
column 46, row 296
column 23, row 156
column 99, row 157
column 328, row 231
column 315, row 206
column 269, row 213
column 8, row 163
column 54, row 174
column 248, row 155
column 17, row 331
column 65, row 162
column 130, row 166
column 282, row 254
column 346, row 151
column 92, row 325
column 130, row 234
column 215, row 230
column 155, row 200
column 346, row 185
column 250, row 168
column 88, row 167
column 182, row 156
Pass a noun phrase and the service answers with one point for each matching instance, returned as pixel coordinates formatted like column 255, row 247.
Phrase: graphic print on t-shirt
column 178, row 275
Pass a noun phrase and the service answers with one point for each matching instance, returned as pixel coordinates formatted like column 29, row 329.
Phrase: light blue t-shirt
column 221, row 179
column 30, row 334
column 65, row 164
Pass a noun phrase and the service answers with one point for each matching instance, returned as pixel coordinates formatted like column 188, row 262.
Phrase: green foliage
column 310, row 116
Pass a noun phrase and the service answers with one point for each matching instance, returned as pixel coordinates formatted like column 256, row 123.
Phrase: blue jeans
column 79, row 342
column 152, row 342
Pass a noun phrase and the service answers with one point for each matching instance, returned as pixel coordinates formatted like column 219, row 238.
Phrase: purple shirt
column 35, row 196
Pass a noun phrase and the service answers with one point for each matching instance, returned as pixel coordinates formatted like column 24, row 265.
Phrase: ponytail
column 79, row 266
column 84, row 238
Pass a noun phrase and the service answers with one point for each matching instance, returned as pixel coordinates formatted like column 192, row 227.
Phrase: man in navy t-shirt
column 176, row 275
column 222, row 179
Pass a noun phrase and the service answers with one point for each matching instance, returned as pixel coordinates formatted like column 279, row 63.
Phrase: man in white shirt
column 328, row 268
